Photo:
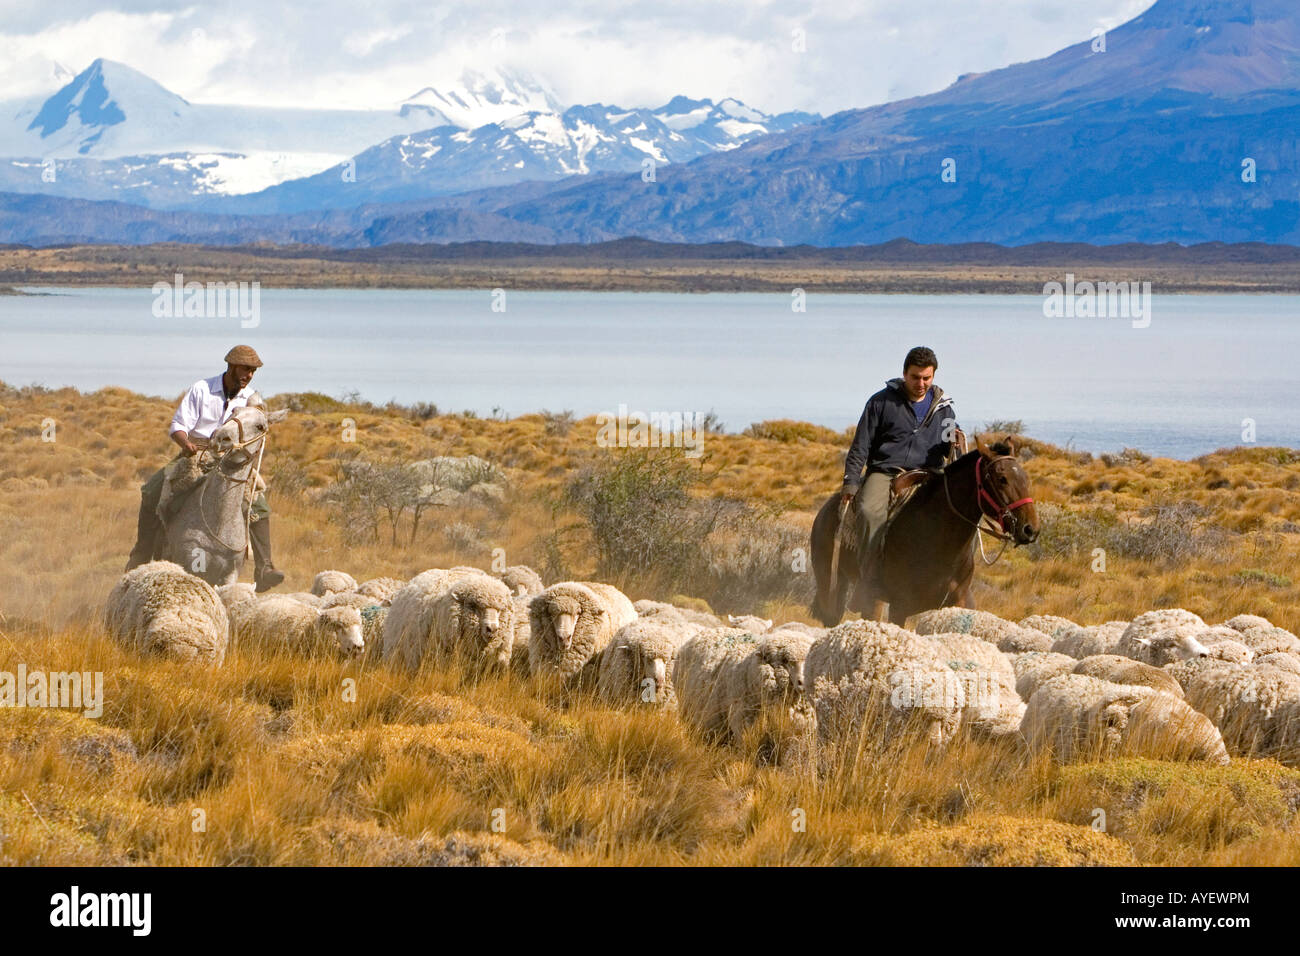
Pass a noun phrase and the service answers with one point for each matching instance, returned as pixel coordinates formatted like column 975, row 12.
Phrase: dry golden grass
column 538, row 269
column 269, row 761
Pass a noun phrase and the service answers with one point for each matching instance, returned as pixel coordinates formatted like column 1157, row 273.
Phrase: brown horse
column 928, row 552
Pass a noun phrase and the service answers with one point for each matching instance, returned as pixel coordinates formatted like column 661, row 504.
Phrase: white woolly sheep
column 749, row 622
column 237, row 593
column 465, row 613
column 1186, row 671
column 327, row 582
column 702, row 677
column 1010, row 638
column 1172, row 626
column 304, row 597
column 279, row 623
column 1262, row 637
column 352, row 599
column 1225, row 644
column 1077, row 717
column 1256, row 707
column 993, row 707
column 647, row 608
column 1091, row 640
column 800, row 626
column 570, row 623
column 1124, row 670
column 381, row 589
column 638, row 663
column 872, row 678
column 160, row 608
column 1161, row 644
column 1035, row 668
column 522, row 580
column 373, row 611
column 372, row 629
column 1282, row 660
column 1050, row 624
column 729, row 679
column 523, row 631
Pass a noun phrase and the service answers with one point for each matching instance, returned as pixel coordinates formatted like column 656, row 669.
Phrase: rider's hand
column 189, row 449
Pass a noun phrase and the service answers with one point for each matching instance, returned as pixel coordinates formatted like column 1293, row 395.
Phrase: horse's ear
column 1013, row 443
column 982, row 447
column 255, row 400
column 279, row 415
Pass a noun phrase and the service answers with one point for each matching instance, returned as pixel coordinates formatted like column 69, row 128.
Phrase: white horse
column 208, row 535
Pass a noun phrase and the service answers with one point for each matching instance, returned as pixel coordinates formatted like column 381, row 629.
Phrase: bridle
column 219, row 470
column 1000, row 511
column 985, row 500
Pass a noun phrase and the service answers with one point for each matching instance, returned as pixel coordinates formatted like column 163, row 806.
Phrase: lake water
column 1180, row 387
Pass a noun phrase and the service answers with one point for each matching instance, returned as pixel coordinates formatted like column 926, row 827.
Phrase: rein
column 254, row 471
column 1000, row 512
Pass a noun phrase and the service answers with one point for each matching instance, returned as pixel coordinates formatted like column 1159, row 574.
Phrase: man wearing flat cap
column 203, row 410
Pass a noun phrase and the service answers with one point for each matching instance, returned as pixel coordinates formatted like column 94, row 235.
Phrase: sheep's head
column 1187, row 648
column 781, row 658
column 564, row 612
column 342, row 625
column 653, row 657
column 1178, row 643
column 483, row 619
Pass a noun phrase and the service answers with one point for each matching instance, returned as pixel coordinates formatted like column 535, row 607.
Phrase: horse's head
column 241, row 436
column 1004, row 489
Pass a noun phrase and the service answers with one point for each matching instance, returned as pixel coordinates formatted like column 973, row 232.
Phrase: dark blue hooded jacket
column 889, row 438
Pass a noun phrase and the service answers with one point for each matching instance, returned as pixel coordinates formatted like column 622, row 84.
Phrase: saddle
column 903, row 486
column 180, row 478
column 184, row 475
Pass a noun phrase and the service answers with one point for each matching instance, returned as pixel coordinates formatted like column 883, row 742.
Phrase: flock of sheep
column 1165, row 684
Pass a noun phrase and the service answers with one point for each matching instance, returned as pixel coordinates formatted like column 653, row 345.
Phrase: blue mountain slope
column 1144, row 142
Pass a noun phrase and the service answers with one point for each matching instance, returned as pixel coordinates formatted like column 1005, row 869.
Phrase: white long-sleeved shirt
column 204, row 408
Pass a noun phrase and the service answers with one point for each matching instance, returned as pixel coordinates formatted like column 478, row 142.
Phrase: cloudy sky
column 340, row 53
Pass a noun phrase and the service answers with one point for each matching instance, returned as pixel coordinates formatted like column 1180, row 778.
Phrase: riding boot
column 149, row 530
column 867, row 592
column 265, row 574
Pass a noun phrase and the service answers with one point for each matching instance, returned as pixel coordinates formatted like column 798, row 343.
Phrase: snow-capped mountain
column 534, row 145
column 111, row 132
column 480, row 99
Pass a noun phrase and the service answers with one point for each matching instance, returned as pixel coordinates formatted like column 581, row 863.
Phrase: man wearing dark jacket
column 908, row 424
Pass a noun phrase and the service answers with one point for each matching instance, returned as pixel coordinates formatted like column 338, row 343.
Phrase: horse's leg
column 848, row 571
column 965, row 596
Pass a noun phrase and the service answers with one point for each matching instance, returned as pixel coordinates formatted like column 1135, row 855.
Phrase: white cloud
column 336, row 53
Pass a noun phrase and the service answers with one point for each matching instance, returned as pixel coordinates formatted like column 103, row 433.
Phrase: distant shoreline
column 640, row 266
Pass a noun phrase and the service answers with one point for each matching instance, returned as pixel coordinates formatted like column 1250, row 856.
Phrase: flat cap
column 243, row 355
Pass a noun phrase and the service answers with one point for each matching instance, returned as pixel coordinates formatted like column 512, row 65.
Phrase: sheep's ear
column 731, row 619
column 279, row 415
column 767, row 623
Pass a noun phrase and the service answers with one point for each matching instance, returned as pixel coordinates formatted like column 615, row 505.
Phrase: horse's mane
column 999, row 447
